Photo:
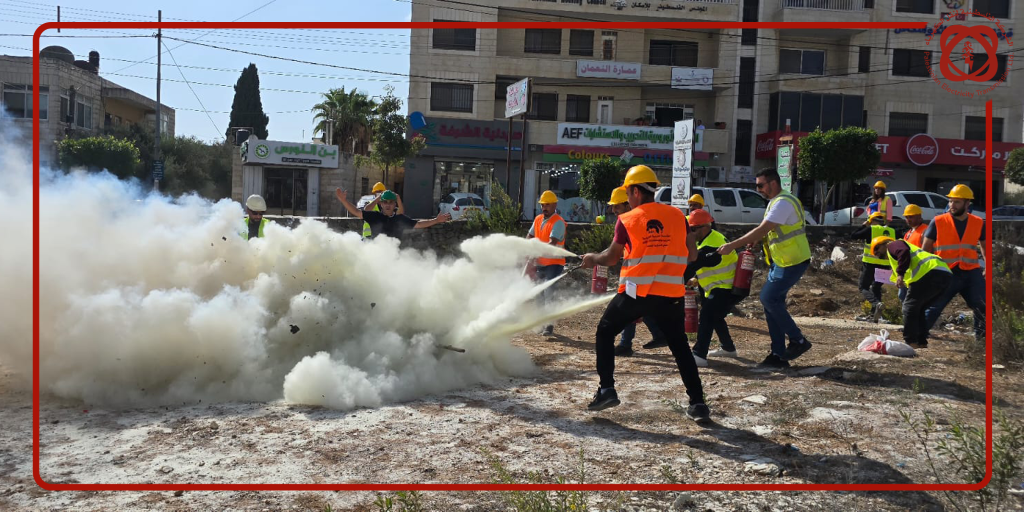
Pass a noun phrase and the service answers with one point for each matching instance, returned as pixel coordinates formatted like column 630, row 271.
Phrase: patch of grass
column 892, row 308
column 402, row 501
column 538, row 501
column 917, row 387
column 669, row 474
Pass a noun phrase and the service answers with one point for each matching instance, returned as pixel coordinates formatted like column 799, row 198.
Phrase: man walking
column 654, row 239
column 926, row 278
column 788, row 255
column 870, row 288
column 549, row 227
column 715, row 274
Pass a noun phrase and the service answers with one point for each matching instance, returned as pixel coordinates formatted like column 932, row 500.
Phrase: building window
column 501, row 84
column 454, row 38
column 581, row 42
column 746, row 86
column 905, row 124
column 83, row 115
column 744, row 138
column 465, row 177
column 543, row 40
column 974, row 128
column 608, row 39
column 916, row 6
column 864, row 60
column 809, row 110
column 666, row 114
column 673, row 53
column 285, row 191
column 364, row 186
column 994, row 8
column 981, row 58
column 748, row 37
column 448, row 97
column 545, row 106
column 17, row 101
column 910, row 62
column 577, row 108
column 802, row 62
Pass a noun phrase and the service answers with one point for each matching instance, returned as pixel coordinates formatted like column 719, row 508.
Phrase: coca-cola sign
column 922, row 149
column 764, row 145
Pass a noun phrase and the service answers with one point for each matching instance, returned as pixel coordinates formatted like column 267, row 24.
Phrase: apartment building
column 617, row 92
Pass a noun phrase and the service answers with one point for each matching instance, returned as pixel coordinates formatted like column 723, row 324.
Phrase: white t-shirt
column 782, row 213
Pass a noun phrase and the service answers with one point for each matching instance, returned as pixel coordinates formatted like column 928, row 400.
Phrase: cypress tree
column 247, row 108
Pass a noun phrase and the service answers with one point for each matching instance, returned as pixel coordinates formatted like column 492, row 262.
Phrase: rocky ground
column 835, row 417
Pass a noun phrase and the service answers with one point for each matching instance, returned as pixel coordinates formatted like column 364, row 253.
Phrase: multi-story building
column 73, row 98
column 618, row 91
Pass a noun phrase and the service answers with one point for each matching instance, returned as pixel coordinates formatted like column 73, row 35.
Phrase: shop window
column 802, row 62
column 543, row 40
column 905, row 124
column 581, row 43
column 544, row 107
column 974, row 128
column 285, row 191
column 463, row 39
column 449, row 97
column 466, row 177
column 910, row 62
column 916, row 6
column 577, row 108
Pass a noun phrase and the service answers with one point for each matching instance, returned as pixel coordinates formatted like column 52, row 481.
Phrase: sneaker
column 773, row 361
column 795, row 350
column 876, row 312
column 698, row 412
column 548, row 330
column 701, row 362
column 723, row 353
column 918, row 345
column 656, row 343
column 624, row 350
column 604, row 400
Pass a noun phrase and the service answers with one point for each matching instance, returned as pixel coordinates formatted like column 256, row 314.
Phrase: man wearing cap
column 925, row 276
column 880, row 203
column 715, row 274
column 913, row 235
column 789, row 254
column 378, row 189
column 549, row 227
column 387, row 221
column 871, row 289
column 655, row 241
column 955, row 237
column 254, row 222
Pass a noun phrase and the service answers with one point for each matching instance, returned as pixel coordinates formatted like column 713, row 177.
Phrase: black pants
column 869, row 288
column 713, row 310
column 665, row 312
column 922, row 293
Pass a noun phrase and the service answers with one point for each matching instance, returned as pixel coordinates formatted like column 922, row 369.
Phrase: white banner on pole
column 682, row 164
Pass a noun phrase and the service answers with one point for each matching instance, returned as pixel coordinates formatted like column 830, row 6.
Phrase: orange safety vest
column 656, row 258
column 956, row 251
column 542, row 232
column 916, row 235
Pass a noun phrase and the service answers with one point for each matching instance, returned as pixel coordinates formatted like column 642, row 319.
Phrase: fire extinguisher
column 744, row 273
column 690, row 309
column 599, row 280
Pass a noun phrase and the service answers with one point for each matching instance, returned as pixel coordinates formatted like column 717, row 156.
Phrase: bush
column 118, row 156
column 892, row 308
column 596, row 238
column 504, row 215
column 1007, row 295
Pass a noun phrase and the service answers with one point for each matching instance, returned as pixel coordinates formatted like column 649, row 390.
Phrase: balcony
column 821, row 10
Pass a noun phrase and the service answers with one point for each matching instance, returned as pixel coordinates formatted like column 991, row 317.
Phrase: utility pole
column 158, row 164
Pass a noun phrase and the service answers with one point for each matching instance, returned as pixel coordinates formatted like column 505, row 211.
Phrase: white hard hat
column 256, row 203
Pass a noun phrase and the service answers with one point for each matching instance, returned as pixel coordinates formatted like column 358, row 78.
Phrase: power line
column 215, row 127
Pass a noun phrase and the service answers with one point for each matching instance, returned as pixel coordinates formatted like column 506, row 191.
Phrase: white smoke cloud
column 149, row 300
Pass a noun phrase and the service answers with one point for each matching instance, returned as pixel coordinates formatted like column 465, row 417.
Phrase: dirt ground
column 835, row 417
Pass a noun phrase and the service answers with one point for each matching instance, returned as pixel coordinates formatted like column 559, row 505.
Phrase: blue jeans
column 902, row 294
column 970, row 284
column 630, row 332
column 547, row 273
column 773, row 298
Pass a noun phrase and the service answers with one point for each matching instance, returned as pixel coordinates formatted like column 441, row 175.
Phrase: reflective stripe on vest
column 921, row 263
column 721, row 275
column 657, row 250
column 787, row 244
column 956, row 251
column 916, row 235
column 876, row 231
column 542, row 232
column 367, row 232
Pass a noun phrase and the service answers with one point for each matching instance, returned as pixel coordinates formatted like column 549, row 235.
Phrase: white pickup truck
column 931, row 204
column 729, row 205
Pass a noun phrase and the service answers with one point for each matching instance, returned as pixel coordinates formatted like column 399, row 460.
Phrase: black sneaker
column 698, row 412
column 604, row 400
column 773, row 361
column 624, row 350
column 656, row 343
column 795, row 350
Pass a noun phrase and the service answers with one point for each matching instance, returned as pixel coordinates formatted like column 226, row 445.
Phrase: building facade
column 617, row 92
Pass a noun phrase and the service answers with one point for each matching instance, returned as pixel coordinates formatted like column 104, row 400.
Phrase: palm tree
column 351, row 113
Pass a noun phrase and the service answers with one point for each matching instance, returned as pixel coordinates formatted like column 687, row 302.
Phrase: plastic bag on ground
column 881, row 344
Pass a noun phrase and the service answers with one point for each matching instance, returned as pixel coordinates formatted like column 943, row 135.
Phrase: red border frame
column 473, row 487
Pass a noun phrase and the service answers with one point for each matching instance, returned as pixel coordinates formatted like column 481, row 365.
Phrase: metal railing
column 827, row 5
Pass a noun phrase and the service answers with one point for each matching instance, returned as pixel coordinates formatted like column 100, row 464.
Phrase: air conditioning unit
column 715, row 175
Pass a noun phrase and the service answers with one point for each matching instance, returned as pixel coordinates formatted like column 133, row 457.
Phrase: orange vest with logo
column 656, row 257
column 542, row 232
column 916, row 235
column 956, row 251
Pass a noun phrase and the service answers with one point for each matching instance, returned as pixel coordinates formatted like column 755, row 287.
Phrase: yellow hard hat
column 640, row 174
column 379, row 187
column 879, row 184
column 548, row 197
column 961, row 191
column 876, row 215
column 697, row 198
column 912, row 209
column 619, row 196
column 880, row 240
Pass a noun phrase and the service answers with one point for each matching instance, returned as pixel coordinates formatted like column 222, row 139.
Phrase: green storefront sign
column 785, row 160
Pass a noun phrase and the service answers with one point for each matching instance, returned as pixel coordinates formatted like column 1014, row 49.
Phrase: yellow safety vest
column 721, row 275
column 876, row 231
column 921, row 263
column 245, row 228
column 367, row 233
column 787, row 245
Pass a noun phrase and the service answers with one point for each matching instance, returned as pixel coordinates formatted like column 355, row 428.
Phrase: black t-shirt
column 932, row 231
column 254, row 228
column 394, row 226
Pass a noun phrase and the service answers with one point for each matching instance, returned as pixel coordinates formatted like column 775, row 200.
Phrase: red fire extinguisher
column 690, row 309
column 744, row 273
column 599, row 280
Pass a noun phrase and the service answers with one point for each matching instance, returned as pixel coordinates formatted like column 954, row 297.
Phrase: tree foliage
column 247, row 108
column 194, row 166
column 118, row 156
column 599, row 177
column 389, row 129
column 350, row 113
column 844, row 154
column 1015, row 167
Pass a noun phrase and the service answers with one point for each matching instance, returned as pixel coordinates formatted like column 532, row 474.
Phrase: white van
column 729, row 205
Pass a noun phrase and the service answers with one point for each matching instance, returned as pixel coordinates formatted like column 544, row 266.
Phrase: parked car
column 458, row 203
column 931, row 204
column 729, row 205
column 1008, row 212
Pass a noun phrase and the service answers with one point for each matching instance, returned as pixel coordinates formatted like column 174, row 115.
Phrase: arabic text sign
column 682, row 164
column 692, row 78
column 277, row 152
column 785, row 159
column 614, row 136
column 517, row 98
column 608, row 69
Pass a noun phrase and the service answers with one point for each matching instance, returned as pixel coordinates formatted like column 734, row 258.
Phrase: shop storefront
column 287, row 174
